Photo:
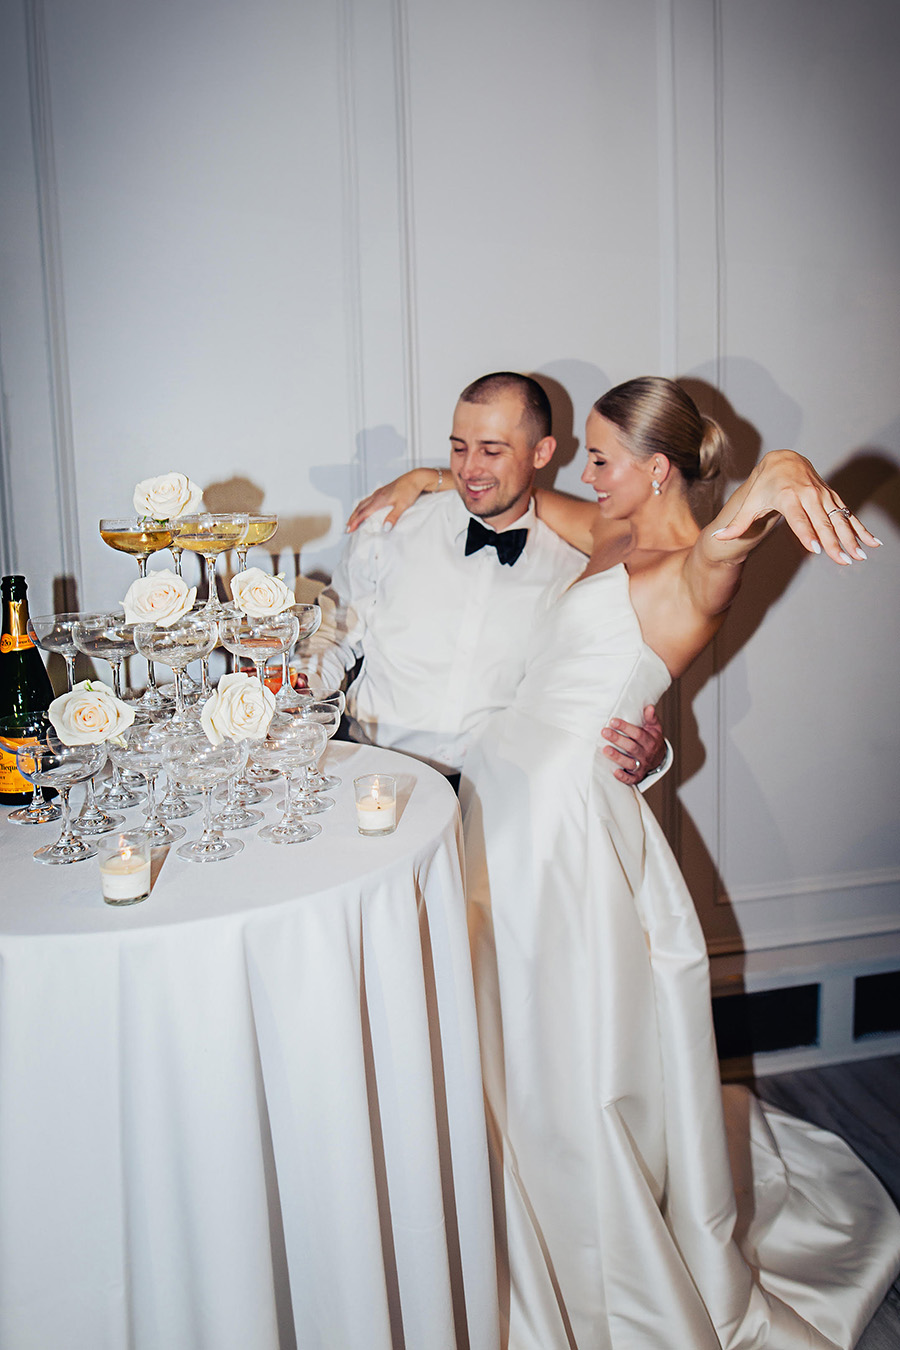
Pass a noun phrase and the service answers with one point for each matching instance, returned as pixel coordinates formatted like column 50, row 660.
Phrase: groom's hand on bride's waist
column 638, row 752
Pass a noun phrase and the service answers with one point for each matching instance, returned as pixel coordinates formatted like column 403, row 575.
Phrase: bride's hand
column 398, row 495
column 786, row 483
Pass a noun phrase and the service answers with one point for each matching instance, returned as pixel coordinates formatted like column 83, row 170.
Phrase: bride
column 637, row 1206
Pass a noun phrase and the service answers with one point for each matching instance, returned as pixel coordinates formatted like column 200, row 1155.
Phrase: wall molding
column 667, row 165
column 406, row 210
column 54, row 294
column 785, row 890
column 351, row 225
column 834, row 930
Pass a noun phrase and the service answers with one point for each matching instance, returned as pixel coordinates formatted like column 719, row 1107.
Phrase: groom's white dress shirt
column 444, row 636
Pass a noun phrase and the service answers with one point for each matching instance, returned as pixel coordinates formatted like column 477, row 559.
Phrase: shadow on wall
column 572, row 388
column 868, row 476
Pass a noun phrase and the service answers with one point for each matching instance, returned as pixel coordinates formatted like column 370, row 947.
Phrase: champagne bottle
column 25, row 688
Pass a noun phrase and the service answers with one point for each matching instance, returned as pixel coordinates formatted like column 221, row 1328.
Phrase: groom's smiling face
column 493, row 458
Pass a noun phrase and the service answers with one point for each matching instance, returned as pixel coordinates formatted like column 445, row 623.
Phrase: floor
column 861, row 1103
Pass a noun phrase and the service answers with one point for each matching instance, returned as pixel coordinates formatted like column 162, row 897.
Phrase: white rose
column 240, row 708
column 159, row 597
column 170, row 495
column 259, row 594
column 88, row 714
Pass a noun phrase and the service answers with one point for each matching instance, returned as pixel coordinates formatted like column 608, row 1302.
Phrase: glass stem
column 142, row 565
column 242, row 559
column 66, row 837
column 285, row 674
column 152, row 821
column 116, row 667
column 204, row 678
column 179, row 694
column 288, row 798
column 176, row 554
column 209, row 835
column 70, row 670
column 151, row 675
column 212, row 598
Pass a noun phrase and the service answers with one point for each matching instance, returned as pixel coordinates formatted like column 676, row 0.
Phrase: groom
column 440, row 607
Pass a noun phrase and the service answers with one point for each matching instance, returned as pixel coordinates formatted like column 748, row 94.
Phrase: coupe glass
column 54, row 632
column 289, row 747
column 193, row 759
column 211, row 534
column 12, row 734
column 50, row 763
column 260, row 530
column 308, row 618
column 328, row 711
column 313, row 783
column 142, row 753
column 137, row 536
column 190, row 638
column 111, row 638
column 258, row 640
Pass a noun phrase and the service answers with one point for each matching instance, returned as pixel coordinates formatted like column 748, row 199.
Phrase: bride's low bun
column 657, row 416
column 712, row 451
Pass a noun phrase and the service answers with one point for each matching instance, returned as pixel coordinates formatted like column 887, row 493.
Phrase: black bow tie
column 509, row 544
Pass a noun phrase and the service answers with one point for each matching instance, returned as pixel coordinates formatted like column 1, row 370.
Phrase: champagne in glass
column 138, row 537
column 211, row 534
column 259, row 531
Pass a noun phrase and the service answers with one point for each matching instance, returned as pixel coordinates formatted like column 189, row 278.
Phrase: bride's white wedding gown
column 614, row 1188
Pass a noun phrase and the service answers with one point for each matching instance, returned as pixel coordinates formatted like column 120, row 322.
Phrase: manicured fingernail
column 716, row 533
column 844, row 559
column 860, row 553
column 387, row 526
column 816, row 546
column 878, row 542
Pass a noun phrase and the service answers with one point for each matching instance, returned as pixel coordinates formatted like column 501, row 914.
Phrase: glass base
column 262, row 775
column 313, row 806
column 74, row 850
column 325, row 783
column 247, row 793
column 96, row 822
column 211, row 851
column 161, row 836
column 237, row 818
column 35, row 815
column 117, row 796
column 289, row 833
column 177, row 808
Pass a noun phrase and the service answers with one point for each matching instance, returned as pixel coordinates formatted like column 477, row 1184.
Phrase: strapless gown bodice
column 588, row 661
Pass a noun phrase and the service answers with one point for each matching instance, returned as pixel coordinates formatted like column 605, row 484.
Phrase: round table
column 247, row 1112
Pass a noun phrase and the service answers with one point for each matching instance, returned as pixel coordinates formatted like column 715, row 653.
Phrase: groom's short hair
column 536, row 413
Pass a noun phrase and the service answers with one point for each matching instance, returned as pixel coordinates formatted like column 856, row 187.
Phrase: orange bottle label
column 19, row 643
column 11, row 780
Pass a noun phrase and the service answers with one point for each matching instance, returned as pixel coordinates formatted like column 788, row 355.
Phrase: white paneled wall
column 266, row 244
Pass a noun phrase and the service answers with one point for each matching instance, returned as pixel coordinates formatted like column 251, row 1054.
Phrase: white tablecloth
column 247, row 1112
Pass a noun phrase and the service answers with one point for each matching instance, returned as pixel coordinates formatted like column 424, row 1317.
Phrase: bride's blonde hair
column 656, row 416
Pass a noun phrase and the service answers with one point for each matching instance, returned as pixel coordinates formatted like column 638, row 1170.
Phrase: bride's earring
column 657, row 490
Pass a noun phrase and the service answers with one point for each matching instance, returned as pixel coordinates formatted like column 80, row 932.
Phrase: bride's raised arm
column 783, row 485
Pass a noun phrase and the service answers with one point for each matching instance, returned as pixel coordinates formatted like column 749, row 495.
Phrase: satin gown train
column 640, row 1207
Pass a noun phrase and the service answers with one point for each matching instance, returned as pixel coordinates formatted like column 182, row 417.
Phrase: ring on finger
column 637, row 765
column 840, row 511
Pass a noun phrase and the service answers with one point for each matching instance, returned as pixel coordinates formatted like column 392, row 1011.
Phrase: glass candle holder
column 124, row 867
column 376, row 803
